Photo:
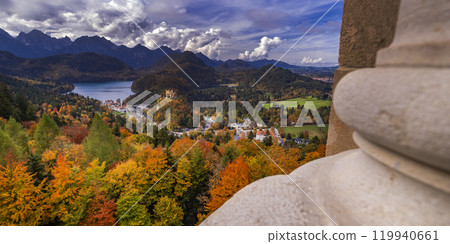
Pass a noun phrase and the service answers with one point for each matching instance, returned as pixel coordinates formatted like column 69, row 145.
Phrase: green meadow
column 313, row 130
column 301, row 101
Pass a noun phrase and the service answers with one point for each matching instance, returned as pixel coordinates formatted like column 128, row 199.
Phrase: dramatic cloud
column 309, row 60
column 207, row 43
column 189, row 39
column 220, row 29
column 265, row 45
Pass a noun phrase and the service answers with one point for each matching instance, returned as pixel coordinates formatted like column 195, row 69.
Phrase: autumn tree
column 75, row 133
column 155, row 163
column 129, row 147
column 260, row 167
column 94, row 173
column 167, row 212
column 20, row 199
column 101, row 210
column 319, row 153
column 101, row 143
column 183, row 177
column 130, row 212
column 286, row 159
column 234, row 177
column 67, row 193
column 180, row 146
column 125, row 177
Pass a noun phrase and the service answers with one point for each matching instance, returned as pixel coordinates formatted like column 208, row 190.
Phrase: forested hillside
column 70, row 166
column 279, row 83
column 67, row 68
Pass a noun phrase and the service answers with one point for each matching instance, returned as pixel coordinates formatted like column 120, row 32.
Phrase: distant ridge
column 67, row 68
column 165, row 75
column 37, row 44
column 234, row 65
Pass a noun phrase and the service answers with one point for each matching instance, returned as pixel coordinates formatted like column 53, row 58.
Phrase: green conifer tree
column 7, row 146
column 16, row 132
column 45, row 134
column 101, row 143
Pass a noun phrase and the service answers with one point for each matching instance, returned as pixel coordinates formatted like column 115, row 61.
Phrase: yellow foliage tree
column 155, row 164
column 168, row 212
column 125, row 177
column 20, row 199
column 183, row 177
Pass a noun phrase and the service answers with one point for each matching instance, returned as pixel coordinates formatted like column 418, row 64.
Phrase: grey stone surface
column 422, row 37
column 339, row 134
column 367, row 26
column 404, row 109
column 421, row 172
column 274, row 200
column 351, row 187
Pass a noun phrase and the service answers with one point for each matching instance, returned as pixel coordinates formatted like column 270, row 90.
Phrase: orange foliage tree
column 67, row 191
column 100, row 211
column 75, row 133
column 287, row 159
column 318, row 153
column 234, row 177
column 180, row 146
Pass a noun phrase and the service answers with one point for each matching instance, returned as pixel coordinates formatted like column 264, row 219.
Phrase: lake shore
column 103, row 91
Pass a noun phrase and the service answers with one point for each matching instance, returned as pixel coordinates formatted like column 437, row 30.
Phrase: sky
column 220, row 29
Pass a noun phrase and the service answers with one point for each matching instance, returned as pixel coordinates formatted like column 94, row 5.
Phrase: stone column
column 404, row 103
column 367, row 26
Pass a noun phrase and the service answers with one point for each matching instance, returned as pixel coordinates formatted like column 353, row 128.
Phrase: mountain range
column 37, row 44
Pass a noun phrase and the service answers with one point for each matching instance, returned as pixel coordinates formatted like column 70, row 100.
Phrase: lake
column 102, row 91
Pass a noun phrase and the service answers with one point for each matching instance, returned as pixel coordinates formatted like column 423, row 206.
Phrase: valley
column 62, row 109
